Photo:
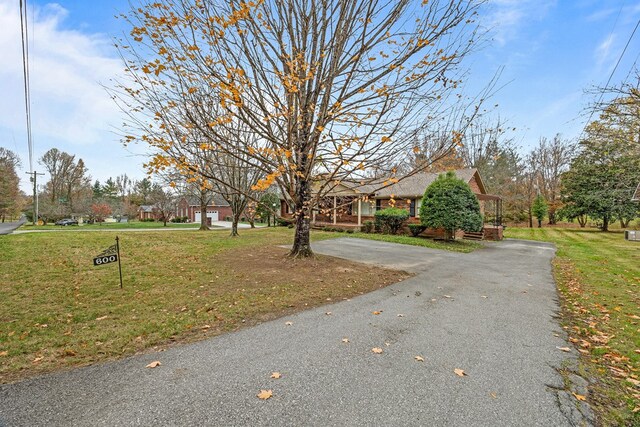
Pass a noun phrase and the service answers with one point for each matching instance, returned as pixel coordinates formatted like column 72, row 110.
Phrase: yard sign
column 109, row 255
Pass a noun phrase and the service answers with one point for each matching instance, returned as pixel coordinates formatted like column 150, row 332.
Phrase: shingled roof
column 414, row 186
column 636, row 195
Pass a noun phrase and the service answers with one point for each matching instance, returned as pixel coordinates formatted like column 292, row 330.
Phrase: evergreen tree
column 540, row 209
column 449, row 203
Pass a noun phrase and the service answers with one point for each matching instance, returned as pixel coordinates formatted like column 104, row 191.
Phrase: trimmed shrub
column 285, row 222
column 449, row 203
column 416, row 229
column 368, row 227
column 391, row 220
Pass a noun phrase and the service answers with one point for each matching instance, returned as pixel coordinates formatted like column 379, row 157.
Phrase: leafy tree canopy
column 449, row 203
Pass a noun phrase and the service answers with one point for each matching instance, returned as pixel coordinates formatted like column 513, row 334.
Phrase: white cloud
column 70, row 108
column 66, row 68
column 507, row 17
column 603, row 50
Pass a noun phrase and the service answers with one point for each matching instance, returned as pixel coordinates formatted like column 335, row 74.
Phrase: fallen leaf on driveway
column 288, row 323
column 565, row 349
column 153, row 364
column 345, row 340
column 460, row 372
column 579, row 397
column 419, row 359
column 484, row 296
column 265, row 394
column 400, row 315
column 276, row 375
column 377, row 312
column 328, row 313
column 447, row 296
column 493, row 394
column 376, row 350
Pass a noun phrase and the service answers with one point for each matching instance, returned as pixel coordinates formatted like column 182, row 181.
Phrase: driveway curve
column 491, row 313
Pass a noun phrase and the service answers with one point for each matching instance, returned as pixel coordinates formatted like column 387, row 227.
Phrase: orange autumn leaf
column 460, row 372
column 579, row 397
column 376, row 350
column 276, row 375
column 419, row 359
column 265, row 394
column 154, row 364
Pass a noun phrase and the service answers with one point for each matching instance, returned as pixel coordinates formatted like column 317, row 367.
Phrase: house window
column 378, row 204
column 412, row 208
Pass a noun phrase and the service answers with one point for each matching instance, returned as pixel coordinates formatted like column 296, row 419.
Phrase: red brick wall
column 474, row 185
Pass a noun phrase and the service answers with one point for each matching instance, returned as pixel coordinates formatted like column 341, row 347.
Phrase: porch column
column 313, row 217
column 335, row 205
column 359, row 211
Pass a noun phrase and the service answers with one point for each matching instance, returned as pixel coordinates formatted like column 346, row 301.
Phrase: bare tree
column 164, row 203
column 68, row 183
column 10, row 195
column 329, row 88
column 549, row 160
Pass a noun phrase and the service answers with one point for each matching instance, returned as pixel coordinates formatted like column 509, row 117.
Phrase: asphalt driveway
column 491, row 313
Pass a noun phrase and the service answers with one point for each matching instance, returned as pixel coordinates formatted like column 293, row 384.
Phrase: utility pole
column 34, row 178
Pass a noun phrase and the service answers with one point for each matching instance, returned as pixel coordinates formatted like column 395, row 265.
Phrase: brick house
column 354, row 204
column 147, row 212
column 217, row 210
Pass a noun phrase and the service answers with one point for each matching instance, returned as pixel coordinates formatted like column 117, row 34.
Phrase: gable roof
column 636, row 195
column 414, row 186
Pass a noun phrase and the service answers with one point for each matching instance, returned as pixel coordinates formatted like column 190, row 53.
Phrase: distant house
column 217, row 210
column 147, row 212
column 354, row 204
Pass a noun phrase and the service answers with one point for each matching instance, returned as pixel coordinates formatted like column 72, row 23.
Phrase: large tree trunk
column 203, row 215
column 552, row 217
column 301, row 241
column 605, row 223
column 530, row 218
column 235, row 219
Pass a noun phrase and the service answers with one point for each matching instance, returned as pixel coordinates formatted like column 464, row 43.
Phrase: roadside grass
column 598, row 275
column 109, row 226
column 60, row 311
column 463, row 246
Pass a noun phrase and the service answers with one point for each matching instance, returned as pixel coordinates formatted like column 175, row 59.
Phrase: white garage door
column 213, row 215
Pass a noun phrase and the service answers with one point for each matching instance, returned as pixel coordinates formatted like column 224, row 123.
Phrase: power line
column 611, row 76
column 24, row 32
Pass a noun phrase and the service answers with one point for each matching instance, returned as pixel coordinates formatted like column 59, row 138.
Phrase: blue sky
column 550, row 52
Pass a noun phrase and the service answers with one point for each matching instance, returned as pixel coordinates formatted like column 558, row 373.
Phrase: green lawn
column 463, row 246
column 109, row 226
column 598, row 276
column 58, row 310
